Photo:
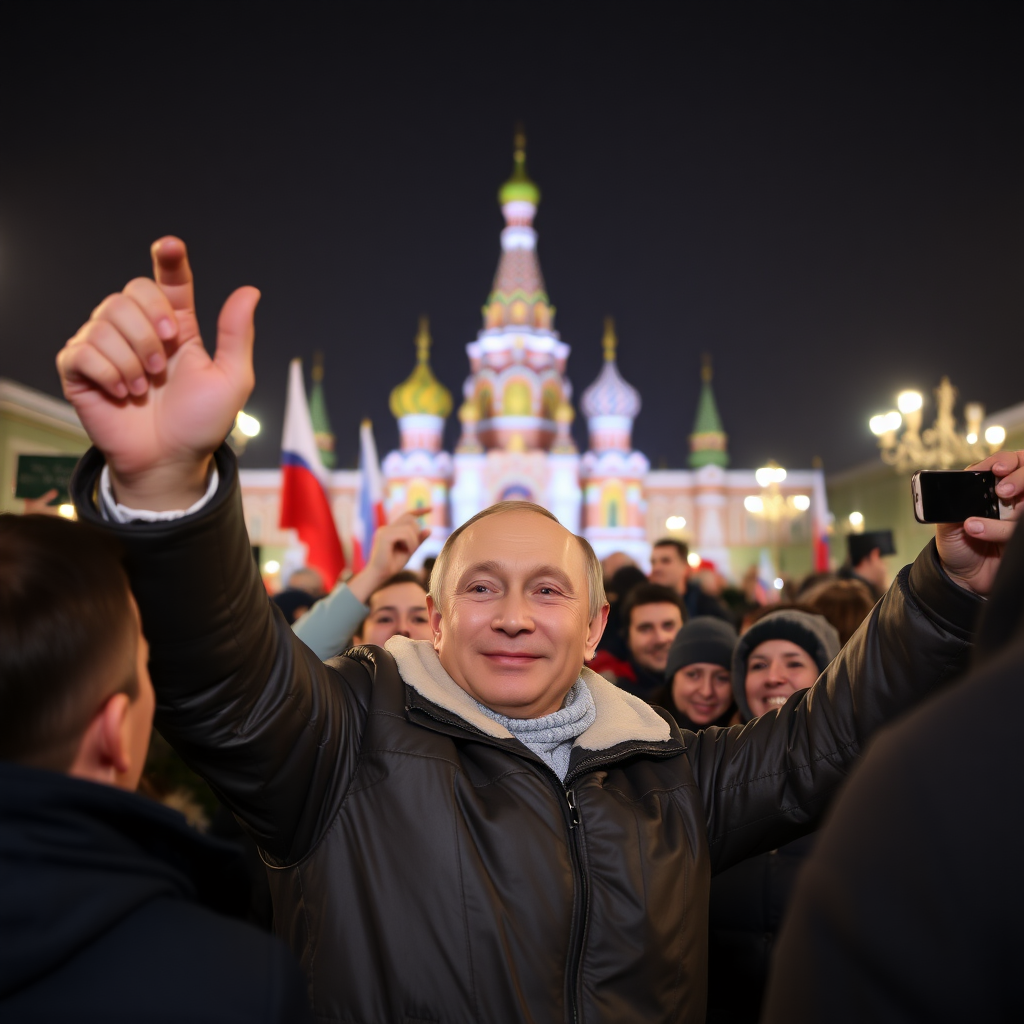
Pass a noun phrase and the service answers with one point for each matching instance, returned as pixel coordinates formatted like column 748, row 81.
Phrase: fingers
column 142, row 316
column 82, row 363
column 995, row 531
column 172, row 272
column 235, row 333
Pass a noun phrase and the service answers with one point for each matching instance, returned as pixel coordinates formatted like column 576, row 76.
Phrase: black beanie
column 814, row 633
column 703, row 639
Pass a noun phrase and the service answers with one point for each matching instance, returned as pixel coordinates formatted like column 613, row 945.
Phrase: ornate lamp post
column 774, row 506
column 940, row 446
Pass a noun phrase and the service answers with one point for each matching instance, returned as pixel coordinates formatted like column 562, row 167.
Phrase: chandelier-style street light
column 940, row 446
column 771, row 503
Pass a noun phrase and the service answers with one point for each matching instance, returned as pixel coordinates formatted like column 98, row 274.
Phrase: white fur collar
column 620, row 716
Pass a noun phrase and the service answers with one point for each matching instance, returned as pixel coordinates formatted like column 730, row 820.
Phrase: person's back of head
column 71, row 696
column 103, row 886
column 844, row 603
column 307, row 579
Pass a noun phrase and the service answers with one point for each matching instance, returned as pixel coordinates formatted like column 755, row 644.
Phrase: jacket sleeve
column 768, row 782
column 327, row 627
column 273, row 730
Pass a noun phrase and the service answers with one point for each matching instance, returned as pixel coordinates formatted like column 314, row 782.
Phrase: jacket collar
column 621, row 717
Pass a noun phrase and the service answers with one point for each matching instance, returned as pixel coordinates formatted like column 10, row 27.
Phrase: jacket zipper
column 581, row 928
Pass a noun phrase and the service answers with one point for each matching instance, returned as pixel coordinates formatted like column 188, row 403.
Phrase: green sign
column 38, row 474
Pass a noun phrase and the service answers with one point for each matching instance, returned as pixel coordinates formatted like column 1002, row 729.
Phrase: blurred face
column 514, row 628
column 668, row 568
column 776, row 669
column 652, row 628
column 398, row 610
column 702, row 691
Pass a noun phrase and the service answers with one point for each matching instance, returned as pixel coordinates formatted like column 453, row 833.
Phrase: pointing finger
column 172, row 272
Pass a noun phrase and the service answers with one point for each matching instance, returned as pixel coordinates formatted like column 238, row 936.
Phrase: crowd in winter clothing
column 490, row 795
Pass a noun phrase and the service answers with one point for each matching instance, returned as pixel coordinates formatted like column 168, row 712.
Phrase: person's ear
column 595, row 632
column 104, row 752
column 435, row 620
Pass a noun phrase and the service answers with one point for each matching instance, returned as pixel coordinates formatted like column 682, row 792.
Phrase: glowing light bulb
column 67, row 511
column 248, row 425
column 675, row 523
column 779, row 583
column 694, row 559
column 764, row 476
column 995, row 435
column 856, row 519
column 801, row 502
column 909, row 401
column 271, row 566
column 753, row 503
column 972, row 438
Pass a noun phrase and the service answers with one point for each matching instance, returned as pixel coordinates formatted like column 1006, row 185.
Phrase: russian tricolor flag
column 370, row 507
column 304, row 503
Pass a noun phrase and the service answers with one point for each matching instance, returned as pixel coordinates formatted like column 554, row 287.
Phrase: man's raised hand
column 146, row 391
column 971, row 551
column 393, row 546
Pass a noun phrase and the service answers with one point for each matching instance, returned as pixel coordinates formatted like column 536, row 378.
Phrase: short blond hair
column 439, row 574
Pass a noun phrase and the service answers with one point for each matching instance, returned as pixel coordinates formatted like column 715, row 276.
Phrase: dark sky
column 828, row 198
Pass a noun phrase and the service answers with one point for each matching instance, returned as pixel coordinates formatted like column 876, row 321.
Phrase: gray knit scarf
column 551, row 737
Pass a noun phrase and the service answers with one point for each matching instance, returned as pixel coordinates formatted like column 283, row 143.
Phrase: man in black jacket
column 477, row 828
column 108, row 901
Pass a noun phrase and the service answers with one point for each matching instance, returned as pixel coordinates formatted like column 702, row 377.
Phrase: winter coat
column 425, row 865
column 910, row 907
column 110, row 910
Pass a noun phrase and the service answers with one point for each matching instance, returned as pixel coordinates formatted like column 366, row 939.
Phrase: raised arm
column 328, row 626
column 769, row 781
column 251, row 708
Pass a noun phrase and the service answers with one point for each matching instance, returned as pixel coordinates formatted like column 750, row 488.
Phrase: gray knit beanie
column 813, row 633
column 703, row 639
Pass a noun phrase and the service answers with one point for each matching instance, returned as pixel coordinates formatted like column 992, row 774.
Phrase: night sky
column 827, row 198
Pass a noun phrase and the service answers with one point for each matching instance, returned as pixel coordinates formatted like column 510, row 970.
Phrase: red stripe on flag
column 304, row 507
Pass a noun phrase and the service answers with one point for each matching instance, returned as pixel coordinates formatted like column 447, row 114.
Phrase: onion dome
column 519, row 188
column 610, row 395
column 421, row 393
column 708, row 440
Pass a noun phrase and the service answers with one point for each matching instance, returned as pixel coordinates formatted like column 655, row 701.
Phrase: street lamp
column 941, row 446
column 245, row 429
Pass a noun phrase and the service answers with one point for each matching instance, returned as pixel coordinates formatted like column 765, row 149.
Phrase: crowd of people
column 518, row 785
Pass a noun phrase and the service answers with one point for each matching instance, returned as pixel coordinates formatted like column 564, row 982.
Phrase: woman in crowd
column 698, row 677
column 781, row 653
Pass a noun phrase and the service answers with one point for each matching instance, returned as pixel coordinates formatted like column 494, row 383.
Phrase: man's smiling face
column 513, row 628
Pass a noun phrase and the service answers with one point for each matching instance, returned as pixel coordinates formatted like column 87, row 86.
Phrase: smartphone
column 952, row 497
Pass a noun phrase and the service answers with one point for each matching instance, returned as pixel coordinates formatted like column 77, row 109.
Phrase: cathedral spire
column 708, row 439
column 518, row 298
column 318, row 414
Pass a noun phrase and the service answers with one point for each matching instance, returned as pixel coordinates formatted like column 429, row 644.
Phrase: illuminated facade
column 515, row 440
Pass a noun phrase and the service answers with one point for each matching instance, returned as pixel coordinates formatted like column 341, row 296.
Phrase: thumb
column 235, row 333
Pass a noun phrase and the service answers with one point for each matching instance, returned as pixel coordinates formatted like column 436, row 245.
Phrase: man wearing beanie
column 780, row 654
column 698, row 676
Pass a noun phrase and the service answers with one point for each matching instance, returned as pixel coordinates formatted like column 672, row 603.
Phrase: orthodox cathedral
column 516, row 415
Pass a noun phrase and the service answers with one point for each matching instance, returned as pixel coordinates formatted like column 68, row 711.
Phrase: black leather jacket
column 426, row 868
